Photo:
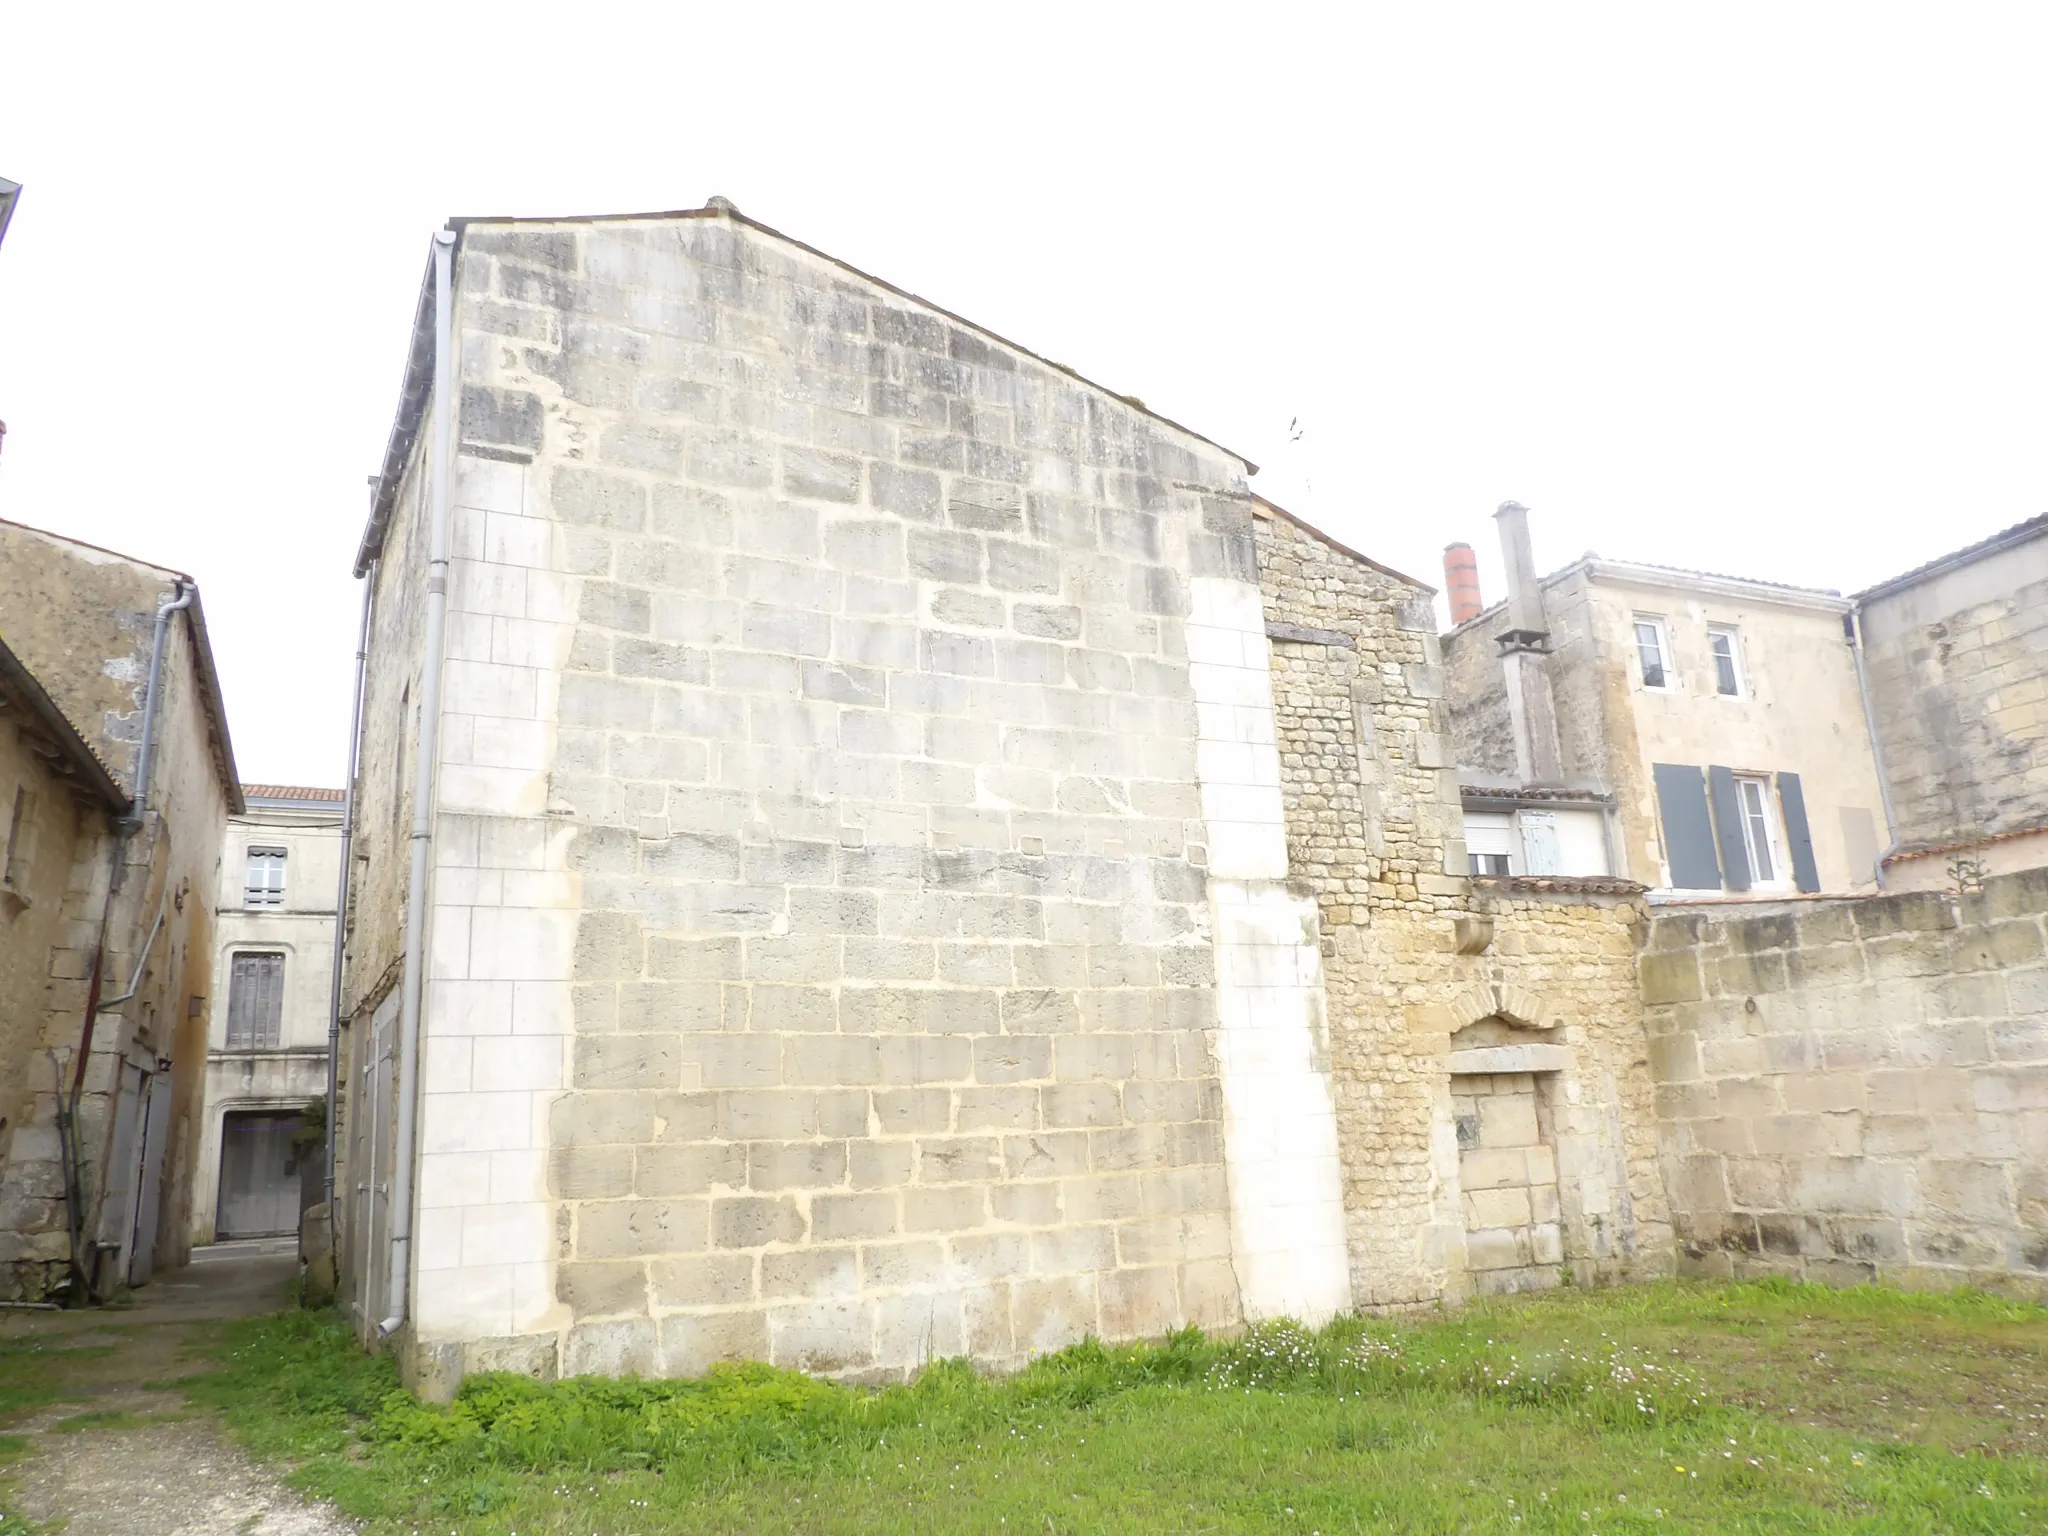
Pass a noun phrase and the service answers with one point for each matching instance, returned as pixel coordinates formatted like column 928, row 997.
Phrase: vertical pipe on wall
column 1852, row 624
column 348, row 828
column 412, row 984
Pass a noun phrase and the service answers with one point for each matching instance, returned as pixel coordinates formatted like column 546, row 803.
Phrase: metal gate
column 259, row 1175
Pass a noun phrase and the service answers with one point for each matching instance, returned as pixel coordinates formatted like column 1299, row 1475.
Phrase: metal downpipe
column 413, row 983
column 348, row 828
column 182, row 594
column 1853, row 622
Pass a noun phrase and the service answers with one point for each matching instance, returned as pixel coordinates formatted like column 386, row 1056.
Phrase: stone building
column 266, row 1058
column 1957, row 658
column 1716, row 723
column 106, row 933
column 875, row 847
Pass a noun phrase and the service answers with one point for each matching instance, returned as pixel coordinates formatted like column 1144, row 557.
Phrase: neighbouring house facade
column 1957, row 658
column 266, row 1061
column 1714, row 724
column 918, row 860
column 108, row 936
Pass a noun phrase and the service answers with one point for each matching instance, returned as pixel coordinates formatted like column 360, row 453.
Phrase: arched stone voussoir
column 1468, row 1005
column 1524, row 1006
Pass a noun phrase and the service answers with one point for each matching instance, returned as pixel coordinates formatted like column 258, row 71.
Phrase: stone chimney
column 1525, row 655
column 1461, row 582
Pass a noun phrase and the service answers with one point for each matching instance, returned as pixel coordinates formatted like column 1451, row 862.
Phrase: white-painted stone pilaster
column 496, row 1026
column 1280, row 1121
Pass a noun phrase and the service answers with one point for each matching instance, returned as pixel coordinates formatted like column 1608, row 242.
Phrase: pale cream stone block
column 440, row 1237
column 454, row 1178
column 469, row 1007
column 499, row 742
column 475, row 1122
column 530, row 1062
column 510, row 540
column 488, row 688
column 489, row 485
column 479, row 791
column 469, row 1302
column 506, row 1234
column 448, row 942
column 521, row 943
column 540, row 888
column 542, row 1008
column 444, row 1064
column 520, row 1174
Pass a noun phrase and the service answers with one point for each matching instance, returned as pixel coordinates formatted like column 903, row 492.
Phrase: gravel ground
column 162, row 1468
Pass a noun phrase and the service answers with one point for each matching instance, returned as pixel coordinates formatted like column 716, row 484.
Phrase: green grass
column 1670, row 1408
column 37, row 1373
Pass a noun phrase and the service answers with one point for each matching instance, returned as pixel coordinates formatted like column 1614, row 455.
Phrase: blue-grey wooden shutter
column 1728, row 827
column 1792, row 797
column 1688, row 831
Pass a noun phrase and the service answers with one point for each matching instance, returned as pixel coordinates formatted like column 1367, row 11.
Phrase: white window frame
column 1662, row 631
column 1733, row 636
column 265, row 858
column 1491, row 835
column 1773, row 837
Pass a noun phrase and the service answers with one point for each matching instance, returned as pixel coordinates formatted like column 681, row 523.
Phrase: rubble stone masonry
column 1545, row 982
column 1858, row 1090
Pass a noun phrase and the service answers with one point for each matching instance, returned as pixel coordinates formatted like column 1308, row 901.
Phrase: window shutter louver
column 1688, row 830
column 1735, row 874
column 1792, row 800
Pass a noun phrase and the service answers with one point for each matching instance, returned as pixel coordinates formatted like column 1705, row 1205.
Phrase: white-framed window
column 265, row 885
column 1767, row 865
column 1726, row 646
column 1489, row 842
column 1653, row 652
column 256, row 1001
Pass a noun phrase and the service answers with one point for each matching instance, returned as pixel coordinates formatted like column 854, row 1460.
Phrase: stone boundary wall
column 1857, row 1089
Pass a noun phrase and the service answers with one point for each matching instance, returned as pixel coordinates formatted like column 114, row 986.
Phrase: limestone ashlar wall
column 1373, row 826
column 1858, row 1090
column 833, row 819
column 1958, row 670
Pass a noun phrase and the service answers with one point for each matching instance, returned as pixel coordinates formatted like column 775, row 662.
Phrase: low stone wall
column 1857, row 1089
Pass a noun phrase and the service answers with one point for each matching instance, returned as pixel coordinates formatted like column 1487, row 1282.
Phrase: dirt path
column 120, row 1452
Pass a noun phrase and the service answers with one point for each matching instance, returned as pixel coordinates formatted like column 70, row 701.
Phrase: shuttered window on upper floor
column 256, row 1002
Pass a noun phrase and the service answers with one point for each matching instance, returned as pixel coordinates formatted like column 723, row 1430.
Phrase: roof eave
column 2007, row 538
column 95, row 775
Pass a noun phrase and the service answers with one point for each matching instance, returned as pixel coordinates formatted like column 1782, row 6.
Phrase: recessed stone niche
column 1503, row 1085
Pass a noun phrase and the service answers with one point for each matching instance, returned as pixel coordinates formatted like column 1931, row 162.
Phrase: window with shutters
column 1653, row 651
column 1727, row 650
column 256, row 1002
column 1759, row 831
column 265, row 886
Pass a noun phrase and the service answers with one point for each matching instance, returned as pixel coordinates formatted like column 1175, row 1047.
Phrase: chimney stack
column 1525, row 597
column 1461, row 581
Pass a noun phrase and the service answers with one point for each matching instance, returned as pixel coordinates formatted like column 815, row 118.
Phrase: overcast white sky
column 1758, row 288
